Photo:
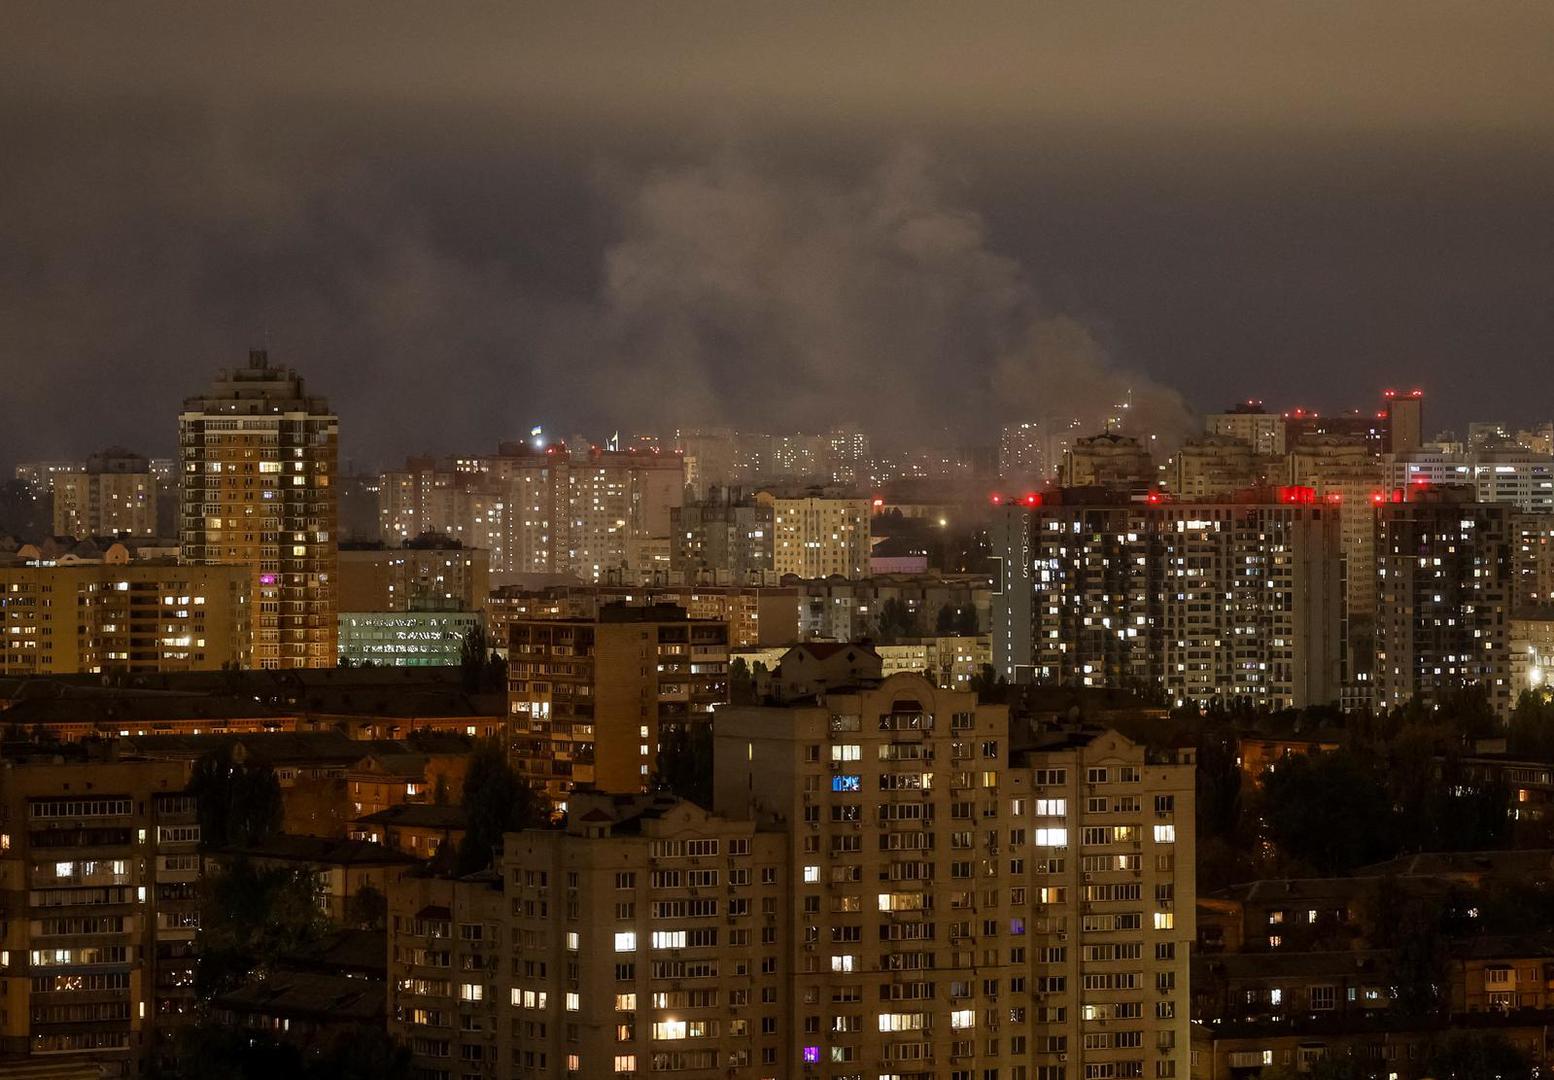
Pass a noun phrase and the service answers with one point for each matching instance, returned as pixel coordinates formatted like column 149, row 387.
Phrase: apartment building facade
column 99, row 863
column 819, row 536
column 114, row 494
column 589, row 699
column 260, row 458
column 1203, row 600
column 959, row 908
column 145, row 616
column 1446, row 567
column 599, row 515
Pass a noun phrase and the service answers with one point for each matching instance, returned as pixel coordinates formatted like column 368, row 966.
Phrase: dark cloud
column 617, row 215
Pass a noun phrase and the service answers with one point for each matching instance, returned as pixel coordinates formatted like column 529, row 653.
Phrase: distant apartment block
column 114, row 494
column 1204, row 600
column 1445, row 569
column 817, row 535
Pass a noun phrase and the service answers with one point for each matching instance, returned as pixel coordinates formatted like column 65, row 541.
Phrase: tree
column 685, row 763
column 741, row 685
column 1531, row 733
column 895, row 620
column 1476, row 1056
column 472, row 658
column 966, row 623
column 250, row 917
column 1328, row 811
column 239, row 804
column 367, row 909
column 481, row 668
column 496, row 801
column 209, row 1052
column 945, row 623
column 990, row 687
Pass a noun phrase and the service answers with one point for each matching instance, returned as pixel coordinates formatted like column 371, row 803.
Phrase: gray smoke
column 733, row 289
column 787, row 302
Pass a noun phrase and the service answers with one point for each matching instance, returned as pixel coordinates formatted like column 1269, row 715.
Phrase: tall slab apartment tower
column 259, row 459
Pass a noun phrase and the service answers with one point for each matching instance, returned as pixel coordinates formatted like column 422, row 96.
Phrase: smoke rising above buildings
column 879, row 299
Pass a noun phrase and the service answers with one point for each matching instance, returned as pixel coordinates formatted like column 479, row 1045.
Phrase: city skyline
column 856, row 542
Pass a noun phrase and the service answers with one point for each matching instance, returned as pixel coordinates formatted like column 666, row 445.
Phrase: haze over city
column 618, row 219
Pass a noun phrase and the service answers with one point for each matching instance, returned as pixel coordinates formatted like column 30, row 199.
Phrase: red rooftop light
column 998, row 500
column 1031, row 499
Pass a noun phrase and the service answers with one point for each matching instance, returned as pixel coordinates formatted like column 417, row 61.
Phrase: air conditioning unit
column 1089, row 877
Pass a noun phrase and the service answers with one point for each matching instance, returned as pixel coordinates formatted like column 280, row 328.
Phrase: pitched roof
column 418, row 816
column 327, row 850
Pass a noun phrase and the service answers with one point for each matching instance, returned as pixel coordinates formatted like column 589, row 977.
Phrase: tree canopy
column 496, row 801
column 239, row 804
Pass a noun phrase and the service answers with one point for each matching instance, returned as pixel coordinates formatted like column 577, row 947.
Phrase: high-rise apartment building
column 645, row 936
column 420, row 498
column 589, row 699
column 448, row 976
column 1023, row 455
column 114, row 494
column 143, row 616
column 1445, row 570
column 709, row 455
column 1202, row 600
column 961, row 908
column 599, row 515
column 1216, row 467
column 1248, row 421
column 847, row 455
column 816, row 535
column 1342, row 471
column 1109, row 460
column 1533, row 562
column 259, row 462
column 1523, row 479
column 885, row 888
column 1404, row 416
column 101, row 869
column 721, row 540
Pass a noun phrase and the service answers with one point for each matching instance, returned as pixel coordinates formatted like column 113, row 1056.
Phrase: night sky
column 458, row 221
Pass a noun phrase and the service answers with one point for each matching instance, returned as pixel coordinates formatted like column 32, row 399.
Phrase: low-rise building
column 406, row 638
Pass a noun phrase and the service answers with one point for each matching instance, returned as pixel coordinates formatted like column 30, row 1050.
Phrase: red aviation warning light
column 1031, row 499
column 1377, row 498
column 1298, row 495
